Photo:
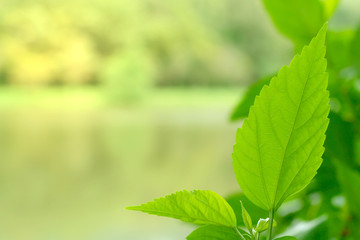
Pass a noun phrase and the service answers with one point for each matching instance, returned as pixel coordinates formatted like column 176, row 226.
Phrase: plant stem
column 237, row 230
column 271, row 216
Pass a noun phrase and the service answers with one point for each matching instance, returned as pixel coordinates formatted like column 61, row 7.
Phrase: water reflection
column 69, row 174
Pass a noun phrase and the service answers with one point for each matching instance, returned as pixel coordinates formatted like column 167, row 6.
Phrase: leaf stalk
column 271, row 221
column 237, row 230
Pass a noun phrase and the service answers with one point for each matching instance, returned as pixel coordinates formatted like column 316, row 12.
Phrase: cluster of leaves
column 209, row 209
column 277, row 153
column 339, row 177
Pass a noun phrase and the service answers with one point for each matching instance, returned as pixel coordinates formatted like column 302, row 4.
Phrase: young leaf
column 256, row 212
column 198, row 206
column 246, row 218
column 212, row 232
column 263, row 225
column 279, row 147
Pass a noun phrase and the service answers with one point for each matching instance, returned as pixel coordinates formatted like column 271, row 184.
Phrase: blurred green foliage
column 131, row 45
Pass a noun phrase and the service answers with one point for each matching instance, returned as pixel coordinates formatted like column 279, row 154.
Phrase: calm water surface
column 68, row 174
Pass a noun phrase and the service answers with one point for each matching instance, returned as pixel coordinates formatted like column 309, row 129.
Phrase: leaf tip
column 133, row 208
column 322, row 32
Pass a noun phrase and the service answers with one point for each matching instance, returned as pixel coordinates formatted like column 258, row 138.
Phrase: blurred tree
column 76, row 42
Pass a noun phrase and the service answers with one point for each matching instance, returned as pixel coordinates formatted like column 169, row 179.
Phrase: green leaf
column 198, row 206
column 246, row 218
column 242, row 109
column 256, row 212
column 299, row 20
column 263, row 225
column 212, row 232
column 279, row 147
column 286, row 238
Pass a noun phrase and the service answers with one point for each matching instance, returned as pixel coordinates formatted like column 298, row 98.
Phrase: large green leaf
column 211, row 232
column 198, row 206
column 299, row 20
column 279, row 147
column 339, row 46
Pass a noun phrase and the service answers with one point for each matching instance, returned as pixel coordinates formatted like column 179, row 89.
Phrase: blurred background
column 106, row 104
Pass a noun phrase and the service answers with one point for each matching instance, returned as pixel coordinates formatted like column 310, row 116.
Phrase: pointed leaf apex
column 322, row 32
column 133, row 208
column 198, row 207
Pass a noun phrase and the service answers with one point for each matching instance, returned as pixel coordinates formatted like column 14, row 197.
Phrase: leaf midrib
column 209, row 206
column 229, row 222
column 292, row 130
column 297, row 173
